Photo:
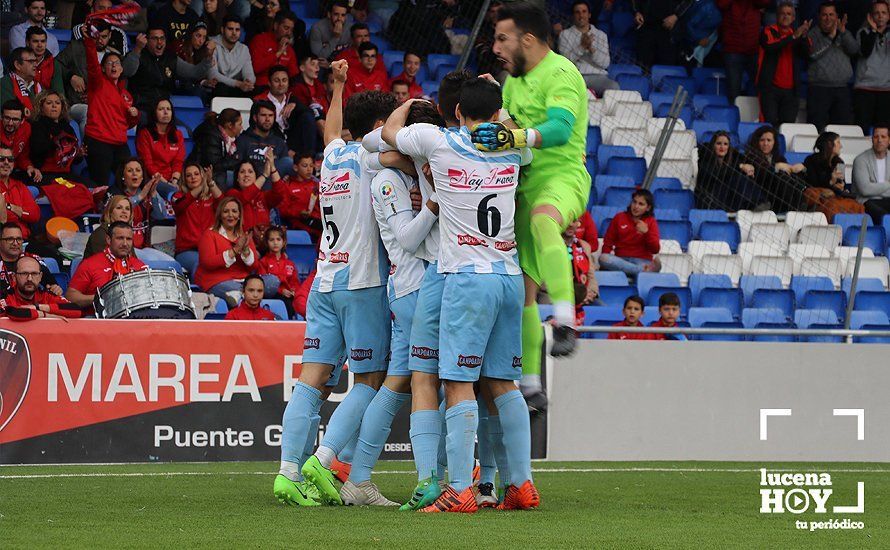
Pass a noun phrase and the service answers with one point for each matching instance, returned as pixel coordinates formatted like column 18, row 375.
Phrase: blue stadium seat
column 702, row 127
column 616, row 295
column 872, row 339
column 62, row 279
column 611, row 278
column 378, row 40
column 747, row 128
column 700, row 101
column 863, row 285
column 795, row 158
column 678, row 231
column 646, row 281
column 627, row 166
column 657, row 99
column 773, row 337
column 701, row 281
column 35, row 191
column 215, row 316
column 298, row 236
column 686, row 114
column 727, row 232
column 832, row 339
column 727, row 298
column 617, row 69
column 778, row 298
column 618, row 197
column 885, row 223
column 51, row 264
column 63, row 36
column 390, row 58
column 750, row 283
column 187, row 102
column 709, row 80
column 604, row 227
column 682, row 200
column 635, row 82
column 875, row 318
column 835, row 300
column 430, row 87
column 682, row 292
column 669, row 214
column 622, row 24
column 304, row 257
column 433, row 60
column 591, row 165
column 277, row 307
column 804, row 318
column 670, row 84
column 801, row 284
column 190, row 119
column 700, row 315
column 697, row 216
column 721, row 337
column 609, row 314
column 673, row 184
column 846, row 221
column 594, row 139
column 605, row 152
column 752, row 316
column 872, row 301
column 875, row 238
column 603, row 182
column 221, row 307
column 602, row 213
column 659, row 72
column 727, row 114
column 74, row 263
column 443, row 69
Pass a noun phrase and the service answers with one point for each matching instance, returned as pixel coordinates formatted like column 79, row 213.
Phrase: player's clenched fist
column 494, row 136
column 339, row 68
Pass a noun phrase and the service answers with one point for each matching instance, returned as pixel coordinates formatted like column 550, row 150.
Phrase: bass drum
column 146, row 294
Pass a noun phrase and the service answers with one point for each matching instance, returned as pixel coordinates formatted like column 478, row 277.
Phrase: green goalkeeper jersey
column 554, row 85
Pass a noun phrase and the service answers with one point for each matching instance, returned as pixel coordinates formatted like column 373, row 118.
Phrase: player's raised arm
column 333, row 124
column 497, row 136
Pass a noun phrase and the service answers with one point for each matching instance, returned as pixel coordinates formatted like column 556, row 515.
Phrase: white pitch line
column 406, row 472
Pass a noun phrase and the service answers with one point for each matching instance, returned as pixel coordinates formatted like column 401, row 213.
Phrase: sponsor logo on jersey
column 469, row 361
column 517, row 362
column 359, row 354
column 463, row 239
column 496, row 178
column 386, row 189
column 504, row 245
column 422, row 352
column 311, row 343
column 339, row 257
column 337, row 186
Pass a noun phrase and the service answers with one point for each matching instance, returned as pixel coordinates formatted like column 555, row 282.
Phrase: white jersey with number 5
column 476, row 192
column 350, row 255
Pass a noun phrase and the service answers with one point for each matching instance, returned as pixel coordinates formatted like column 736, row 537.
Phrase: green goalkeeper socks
column 532, row 339
column 554, row 266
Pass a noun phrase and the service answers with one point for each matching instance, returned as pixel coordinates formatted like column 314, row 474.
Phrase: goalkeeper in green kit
column 546, row 100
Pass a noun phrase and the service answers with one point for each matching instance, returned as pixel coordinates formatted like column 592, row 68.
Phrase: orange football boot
column 451, row 501
column 521, row 498
column 341, row 470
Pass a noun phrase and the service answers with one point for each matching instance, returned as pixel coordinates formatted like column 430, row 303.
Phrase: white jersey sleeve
column 350, row 254
column 419, row 141
column 392, row 201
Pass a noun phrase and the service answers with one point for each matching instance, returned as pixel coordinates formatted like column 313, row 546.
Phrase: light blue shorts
column 425, row 329
column 351, row 325
column 481, row 327
column 402, row 320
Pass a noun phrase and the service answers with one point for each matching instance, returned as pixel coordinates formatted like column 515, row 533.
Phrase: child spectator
column 275, row 262
column 632, row 238
column 161, row 145
column 117, row 209
column 633, row 311
column 583, row 270
column 194, row 205
column 248, row 190
column 16, row 203
column 669, row 309
column 53, row 146
column 226, row 254
column 250, row 308
column 215, row 144
column 298, row 197
column 410, row 67
column 587, row 231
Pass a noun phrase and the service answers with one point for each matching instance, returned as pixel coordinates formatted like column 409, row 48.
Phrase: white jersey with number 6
column 350, row 255
column 476, row 192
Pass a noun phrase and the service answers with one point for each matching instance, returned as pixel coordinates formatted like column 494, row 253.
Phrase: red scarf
column 119, row 16
column 118, row 266
column 20, row 89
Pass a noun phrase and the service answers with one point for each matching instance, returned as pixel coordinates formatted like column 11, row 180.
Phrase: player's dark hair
column 117, row 225
column 422, row 111
column 364, row 109
column 874, row 128
column 157, row 26
column 449, row 94
column 828, row 4
column 528, row 18
column 647, row 196
column 480, row 99
column 636, row 299
column 16, row 56
column 669, row 299
column 252, row 277
column 580, row 3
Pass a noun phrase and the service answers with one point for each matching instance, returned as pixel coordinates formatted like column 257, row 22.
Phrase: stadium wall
column 618, row 400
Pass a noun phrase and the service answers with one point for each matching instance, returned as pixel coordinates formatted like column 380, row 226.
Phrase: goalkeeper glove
column 494, row 136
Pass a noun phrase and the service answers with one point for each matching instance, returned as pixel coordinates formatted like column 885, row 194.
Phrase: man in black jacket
column 655, row 21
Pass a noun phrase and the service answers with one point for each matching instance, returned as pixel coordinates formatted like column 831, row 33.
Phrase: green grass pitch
column 584, row 505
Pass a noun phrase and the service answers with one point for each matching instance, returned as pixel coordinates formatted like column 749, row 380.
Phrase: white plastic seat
column 798, row 252
column 871, row 268
column 162, row 233
column 680, row 145
column 749, row 108
column 782, row 267
column 773, row 233
column 682, row 169
column 847, row 254
column 802, row 143
column 242, row 104
column 822, row 267
column 828, row 236
column 845, row 130
column 612, row 97
column 797, row 220
column 697, row 249
column 746, row 218
column 656, row 124
column 634, row 137
column 748, row 251
column 608, row 124
column 670, row 246
column 595, row 110
column 854, row 145
column 680, row 264
column 791, row 129
column 730, row 266
column 633, row 109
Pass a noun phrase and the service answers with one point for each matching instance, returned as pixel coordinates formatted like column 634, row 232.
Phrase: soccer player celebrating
column 347, row 313
column 402, row 234
column 482, row 289
column 546, row 97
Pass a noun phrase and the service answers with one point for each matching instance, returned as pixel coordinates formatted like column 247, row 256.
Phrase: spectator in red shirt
column 364, row 76
column 110, row 115
column 311, row 91
column 54, row 146
column 16, row 134
column 275, row 262
column 302, row 294
column 160, row 144
column 250, row 308
column 274, row 48
column 28, row 302
column 16, row 203
column 360, row 35
column 297, row 197
column 44, row 68
column 633, row 311
column 99, row 269
column 11, row 241
column 583, row 270
column 400, row 89
column 410, row 67
column 632, row 238
column 587, row 231
column 195, row 207
column 226, row 254
column 669, row 309
column 738, row 36
column 776, row 76
column 248, row 190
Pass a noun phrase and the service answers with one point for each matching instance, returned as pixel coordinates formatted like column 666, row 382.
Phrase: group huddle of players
column 501, row 174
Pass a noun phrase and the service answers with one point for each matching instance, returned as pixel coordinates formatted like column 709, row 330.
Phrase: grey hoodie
column 873, row 69
column 830, row 58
